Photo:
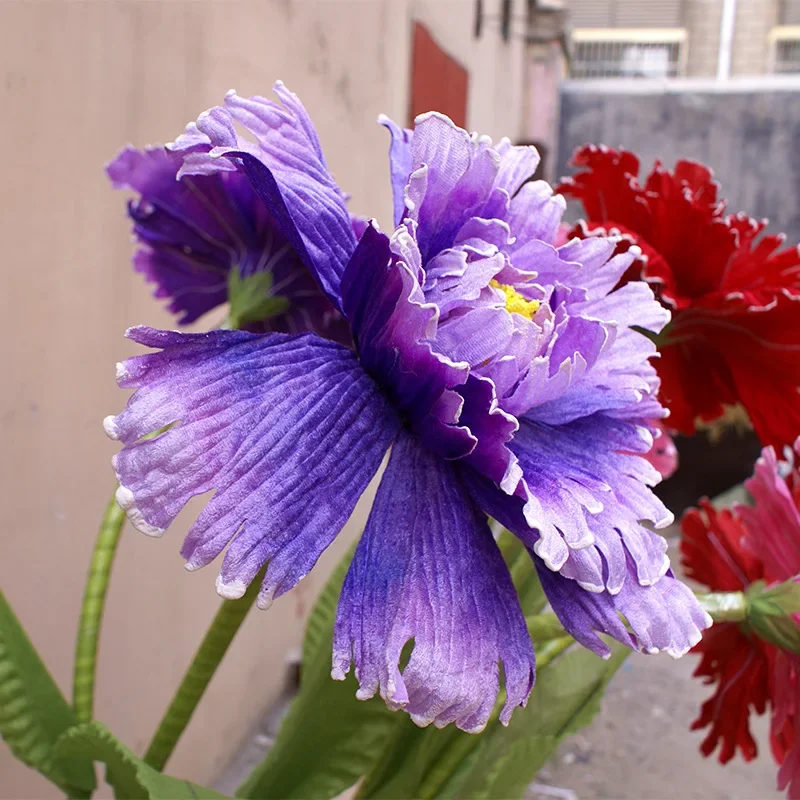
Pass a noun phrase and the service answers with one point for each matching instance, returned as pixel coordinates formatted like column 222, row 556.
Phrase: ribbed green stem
column 212, row 650
column 94, row 603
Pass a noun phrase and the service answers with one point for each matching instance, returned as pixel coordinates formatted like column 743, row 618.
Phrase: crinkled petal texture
column 519, row 356
column 735, row 336
column 194, row 230
column 427, row 569
column 287, row 431
column 663, row 615
column 713, row 554
column 287, row 169
column 773, row 521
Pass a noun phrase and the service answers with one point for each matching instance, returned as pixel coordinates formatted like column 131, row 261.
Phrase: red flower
column 727, row 551
column 735, row 297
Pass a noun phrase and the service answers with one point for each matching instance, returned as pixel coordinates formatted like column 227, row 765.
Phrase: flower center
column 515, row 302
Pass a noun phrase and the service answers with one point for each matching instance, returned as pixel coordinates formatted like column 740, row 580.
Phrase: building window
column 628, row 53
column 784, row 49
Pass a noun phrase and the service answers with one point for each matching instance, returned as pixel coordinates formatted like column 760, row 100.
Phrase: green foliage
column 209, row 655
column 33, row 712
column 94, row 602
column 128, row 775
column 328, row 739
column 250, row 299
column 566, row 698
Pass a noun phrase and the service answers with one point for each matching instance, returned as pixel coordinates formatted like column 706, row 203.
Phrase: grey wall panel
column 750, row 139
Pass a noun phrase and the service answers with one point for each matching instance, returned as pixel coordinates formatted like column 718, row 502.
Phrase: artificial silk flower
column 204, row 240
column 734, row 296
column 730, row 550
column 502, row 371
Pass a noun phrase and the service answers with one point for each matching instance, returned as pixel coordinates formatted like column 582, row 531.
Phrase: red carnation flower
column 729, row 550
column 735, row 334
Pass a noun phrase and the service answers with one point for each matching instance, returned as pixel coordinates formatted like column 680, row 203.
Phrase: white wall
column 78, row 80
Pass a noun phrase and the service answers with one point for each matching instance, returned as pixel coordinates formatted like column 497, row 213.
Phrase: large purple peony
column 502, row 370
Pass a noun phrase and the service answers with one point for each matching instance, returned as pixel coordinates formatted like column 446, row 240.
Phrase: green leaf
column 328, row 739
column 33, row 712
column 129, row 776
column 566, row 697
column 250, row 299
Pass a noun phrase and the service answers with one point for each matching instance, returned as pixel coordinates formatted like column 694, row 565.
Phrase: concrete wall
column 77, row 81
column 747, row 131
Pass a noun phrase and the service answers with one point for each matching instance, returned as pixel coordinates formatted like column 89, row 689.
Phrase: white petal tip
column 591, row 587
column 230, row 591
column 121, row 371
column 126, row 501
column 652, row 651
column 363, row 694
column 110, row 427
column 265, row 601
column 191, row 566
column 708, row 620
column 230, row 93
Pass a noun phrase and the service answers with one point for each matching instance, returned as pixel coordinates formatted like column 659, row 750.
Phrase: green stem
column 724, row 606
column 94, row 602
column 543, row 627
column 212, row 650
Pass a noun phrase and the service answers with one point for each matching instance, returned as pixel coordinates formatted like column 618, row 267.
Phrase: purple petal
column 663, row 614
column 665, row 617
column 581, row 492
column 400, row 159
column 517, row 165
column 287, row 431
column 459, row 174
column 392, row 327
column 192, row 232
column 288, row 171
column 427, row 569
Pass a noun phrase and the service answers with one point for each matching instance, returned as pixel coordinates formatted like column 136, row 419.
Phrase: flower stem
column 543, row 627
column 94, row 602
column 724, row 606
column 208, row 657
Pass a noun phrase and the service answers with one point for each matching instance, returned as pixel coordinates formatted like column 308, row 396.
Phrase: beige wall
column 80, row 79
column 754, row 20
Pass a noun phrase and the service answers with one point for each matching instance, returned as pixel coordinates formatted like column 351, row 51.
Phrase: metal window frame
column 670, row 36
column 777, row 35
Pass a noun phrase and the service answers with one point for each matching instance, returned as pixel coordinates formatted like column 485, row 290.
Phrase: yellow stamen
column 515, row 302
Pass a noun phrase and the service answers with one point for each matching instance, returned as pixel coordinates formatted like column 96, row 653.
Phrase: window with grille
column 784, row 49
column 619, row 53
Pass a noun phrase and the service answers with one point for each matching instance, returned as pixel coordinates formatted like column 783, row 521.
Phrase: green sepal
column 33, row 711
column 128, row 775
column 250, row 300
column 770, row 614
column 329, row 739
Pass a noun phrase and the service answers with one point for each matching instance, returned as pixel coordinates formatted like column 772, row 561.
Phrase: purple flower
column 202, row 236
column 502, row 370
